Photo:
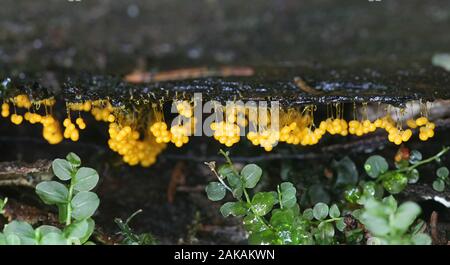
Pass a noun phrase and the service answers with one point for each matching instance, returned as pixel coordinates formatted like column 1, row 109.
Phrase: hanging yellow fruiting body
column 126, row 141
column 140, row 138
column 16, row 119
column 5, row 110
column 159, row 130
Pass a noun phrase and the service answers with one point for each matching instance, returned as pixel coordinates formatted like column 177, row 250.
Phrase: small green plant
column 272, row 217
column 395, row 180
column 131, row 238
column 2, row 205
column 75, row 201
column 390, row 224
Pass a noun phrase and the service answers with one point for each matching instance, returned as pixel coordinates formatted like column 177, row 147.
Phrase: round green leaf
column 340, row 225
column 2, row 239
column 84, row 205
column 13, row 239
column 53, row 239
column 262, row 203
column 352, row 194
column 320, row 211
column 415, row 156
column 282, row 219
column 22, row 230
column 253, row 224
column 439, row 185
column 80, row 231
column 288, row 194
column 413, row 176
column 405, row 215
column 226, row 171
column 62, row 169
column 85, row 179
column 46, row 229
column 375, row 166
column 334, row 211
column 52, row 192
column 74, row 159
column 265, row 237
column 251, row 173
column 421, row 239
column 327, row 229
column 233, row 208
column 308, row 214
column 394, row 182
column 215, row 191
column 442, row 172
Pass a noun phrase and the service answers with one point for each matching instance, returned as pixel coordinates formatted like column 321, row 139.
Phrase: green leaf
column 377, row 225
column 46, row 229
column 391, row 203
column 320, row 211
column 80, row 231
column 226, row 171
column 52, row 192
column 215, row 191
column 374, row 241
column 251, row 173
column 439, row 185
column 85, row 179
column 442, row 172
column 375, row 166
column 308, row 214
column 334, row 211
column 413, row 176
column 237, row 192
column 282, row 219
column 233, row 208
column 2, row 239
column 357, row 213
column 53, row 239
column 340, row 225
column 405, row 215
column 62, row 169
column 13, row 239
column 261, row 238
column 74, row 159
column 347, row 174
column 21, row 229
column 262, row 203
column 288, row 194
column 84, row 204
column 352, row 194
column 394, row 182
column 415, row 156
column 421, row 239
column 327, row 229
column 253, row 224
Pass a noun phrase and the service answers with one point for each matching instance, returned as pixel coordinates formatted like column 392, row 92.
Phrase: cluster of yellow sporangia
column 141, row 143
column 179, row 133
column 51, row 129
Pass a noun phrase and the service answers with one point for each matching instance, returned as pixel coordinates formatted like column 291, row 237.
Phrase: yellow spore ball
column 421, row 121
column 16, row 119
column 5, row 110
